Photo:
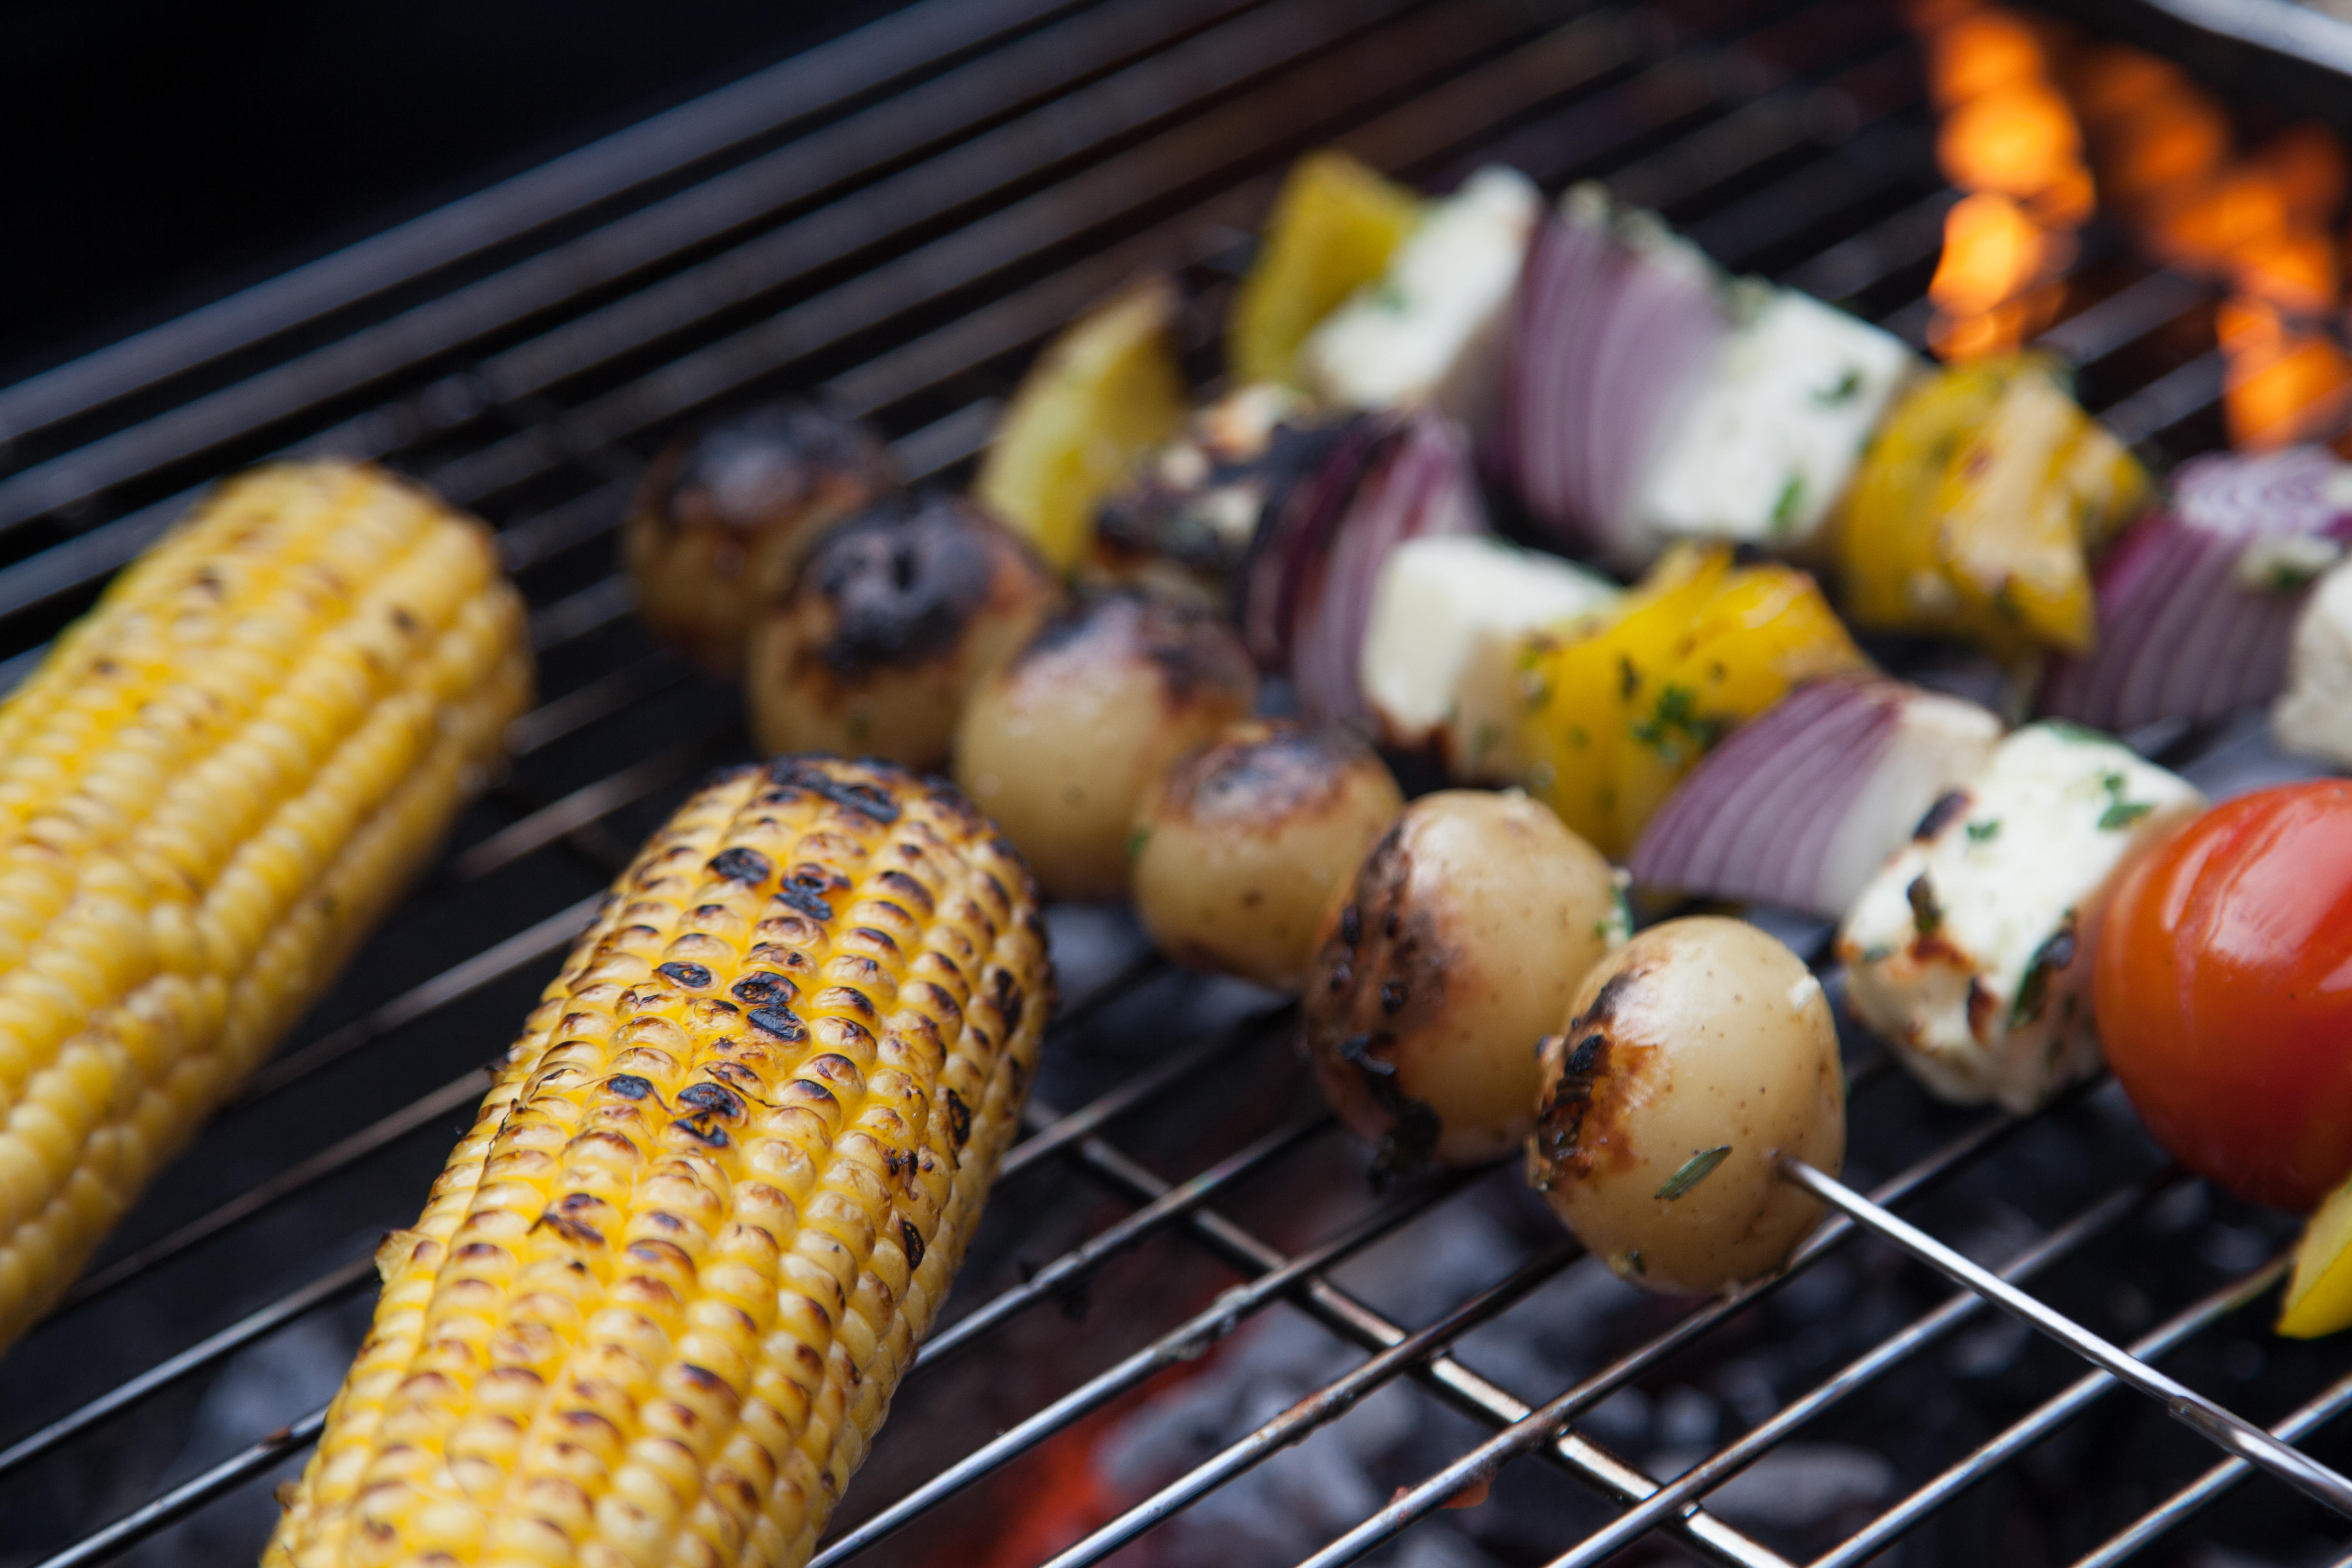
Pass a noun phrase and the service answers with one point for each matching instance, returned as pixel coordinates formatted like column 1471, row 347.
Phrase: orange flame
column 2256, row 221
column 2010, row 140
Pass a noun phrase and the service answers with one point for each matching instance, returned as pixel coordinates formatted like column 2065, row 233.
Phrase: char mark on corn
column 658, row 1301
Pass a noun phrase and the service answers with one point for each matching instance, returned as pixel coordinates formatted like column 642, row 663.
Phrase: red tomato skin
column 2223, row 992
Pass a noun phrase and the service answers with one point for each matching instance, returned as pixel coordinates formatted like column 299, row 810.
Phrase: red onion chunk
column 1616, row 326
column 1805, row 803
column 2197, row 604
column 2301, row 489
column 1422, row 484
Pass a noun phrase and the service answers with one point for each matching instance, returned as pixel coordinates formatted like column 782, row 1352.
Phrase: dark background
column 153, row 157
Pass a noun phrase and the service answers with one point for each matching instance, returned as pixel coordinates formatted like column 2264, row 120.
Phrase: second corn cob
column 659, row 1299
column 209, row 790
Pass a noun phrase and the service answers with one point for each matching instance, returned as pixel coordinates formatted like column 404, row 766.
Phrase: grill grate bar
column 1824, row 146
column 1890, row 1352
column 458, row 1094
column 330, row 1286
column 1325, row 1403
column 1556, row 63
column 797, row 89
column 1047, row 63
column 2046, row 1418
column 2306, row 1419
column 1539, row 1425
column 2231, row 1432
column 1063, row 1273
column 1186, row 1341
column 105, row 1544
column 468, row 1087
column 525, row 947
column 1467, row 1391
column 1341, row 83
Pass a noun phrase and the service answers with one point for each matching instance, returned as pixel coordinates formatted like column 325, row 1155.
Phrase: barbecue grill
column 894, row 221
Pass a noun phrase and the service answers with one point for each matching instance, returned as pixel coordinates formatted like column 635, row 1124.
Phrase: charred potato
column 1695, row 1060
column 1060, row 744
column 1241, row 848
column 895, row 616
column 727, row 512
column 1464, row 933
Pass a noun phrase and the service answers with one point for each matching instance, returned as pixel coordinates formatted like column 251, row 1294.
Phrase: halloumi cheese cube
column 1440, row 660
column 1970, row 951
column 2313, row 714
column 1777, row 430
column 1430, row 329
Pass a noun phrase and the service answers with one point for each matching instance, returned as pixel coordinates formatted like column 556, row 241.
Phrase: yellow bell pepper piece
column 1977, row 508
column 1621, row 705
column 1102, row 395
column 1334, row 228
column 2319, row 1294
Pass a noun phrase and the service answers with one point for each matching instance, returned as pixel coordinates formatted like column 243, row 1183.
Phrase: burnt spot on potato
column 900, row 581
column 764, row 467
column 1264, row 775
column 1583, row 1117
column 1189, row 648
column 1412, row 1127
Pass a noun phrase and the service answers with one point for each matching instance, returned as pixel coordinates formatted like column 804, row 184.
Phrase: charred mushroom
column 895, row 616
column 1695, row 1060
column 1059, row 745
column 1242, row 846
column 1454, row 950
column 727, row 512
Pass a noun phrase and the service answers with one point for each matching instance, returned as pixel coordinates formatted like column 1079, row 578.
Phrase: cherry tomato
column 2224, row 993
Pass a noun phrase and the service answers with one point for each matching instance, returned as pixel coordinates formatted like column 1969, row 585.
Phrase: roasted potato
column 725, row 514
column 1693, row 1060
column 893, row 618
column 1060, row 744
column 1453, row 951
column 1242, row 845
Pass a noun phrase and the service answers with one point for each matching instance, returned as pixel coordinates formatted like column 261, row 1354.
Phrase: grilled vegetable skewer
column 657, row 1303
column 209, row 791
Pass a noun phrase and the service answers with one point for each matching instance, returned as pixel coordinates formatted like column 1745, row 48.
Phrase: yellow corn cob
column 209, row 790
column 658, row 1301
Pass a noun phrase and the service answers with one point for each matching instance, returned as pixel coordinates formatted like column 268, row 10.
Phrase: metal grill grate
column 895, row 220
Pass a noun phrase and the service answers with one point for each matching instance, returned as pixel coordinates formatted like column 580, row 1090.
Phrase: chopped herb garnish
column 1387, row 296
column 1848, row 387
column 1629, row 680
column 2067, row 729
column 1634, row 1264
column 1785, row 505
column 2004, row 601
column 1695, row 1169
column 1986, row 831
column 1579, row 736
column 1483, row 742
column 1136, row 841
column 1877, row 952
column 2120, row 812
column 1926, row 912
column 1676, row 713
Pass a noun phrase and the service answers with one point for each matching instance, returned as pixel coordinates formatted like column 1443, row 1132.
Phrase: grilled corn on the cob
column 658, row 1301
column 208, row 791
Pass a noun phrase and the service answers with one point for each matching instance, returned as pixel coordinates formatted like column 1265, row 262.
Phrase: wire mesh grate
column 895, row 221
